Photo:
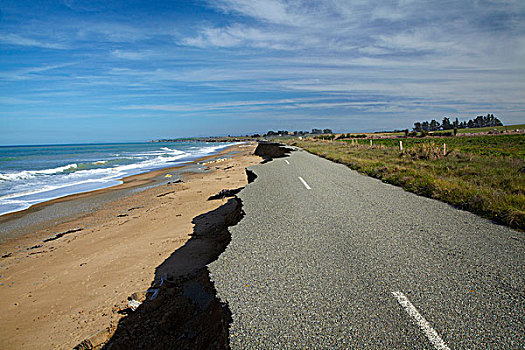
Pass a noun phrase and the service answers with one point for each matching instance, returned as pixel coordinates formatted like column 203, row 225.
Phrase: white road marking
column 287, row 161
column 431, row 334
column 304, row 183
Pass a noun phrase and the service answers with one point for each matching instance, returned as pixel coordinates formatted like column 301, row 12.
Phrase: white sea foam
column 21, row 189
column 173, row 151
column 27, row 174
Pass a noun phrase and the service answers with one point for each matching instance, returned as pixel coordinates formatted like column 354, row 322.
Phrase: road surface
column 328, row 258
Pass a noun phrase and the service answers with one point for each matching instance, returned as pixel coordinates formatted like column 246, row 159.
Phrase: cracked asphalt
column 317, row 268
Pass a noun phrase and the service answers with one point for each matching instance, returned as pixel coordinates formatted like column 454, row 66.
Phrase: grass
column 460, row 131
column 482, row 174
column 490, row 128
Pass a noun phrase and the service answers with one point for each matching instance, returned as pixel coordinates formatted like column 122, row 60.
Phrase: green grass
column 489, row 145
column 482, row 174
column 490, row 128
column 460, row 131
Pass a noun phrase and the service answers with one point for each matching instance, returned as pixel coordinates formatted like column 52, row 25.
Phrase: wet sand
column 73, row 262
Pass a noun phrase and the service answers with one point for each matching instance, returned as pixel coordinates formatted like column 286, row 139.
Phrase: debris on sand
column 58, row 235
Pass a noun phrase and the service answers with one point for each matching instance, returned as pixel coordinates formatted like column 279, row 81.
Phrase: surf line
column 430, row 332
column 304, row 183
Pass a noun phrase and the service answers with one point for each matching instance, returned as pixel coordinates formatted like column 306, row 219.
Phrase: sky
column 76, row 71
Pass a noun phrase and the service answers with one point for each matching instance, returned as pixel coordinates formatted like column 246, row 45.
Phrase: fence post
column 370, row 142
column 401, row 146
column 444, row 149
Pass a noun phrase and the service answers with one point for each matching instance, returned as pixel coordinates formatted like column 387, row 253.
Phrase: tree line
column 298, row 133
column 479, row 122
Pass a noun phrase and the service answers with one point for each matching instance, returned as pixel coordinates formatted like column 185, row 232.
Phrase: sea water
column 35, row 174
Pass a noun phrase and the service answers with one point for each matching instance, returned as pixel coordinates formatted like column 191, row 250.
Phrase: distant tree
column 327, row 131
column 479, row 122
column 493, row 121
column 271, row 133
column 446, row 124
column 434, row 125
column 317, row 131
column 484, row 121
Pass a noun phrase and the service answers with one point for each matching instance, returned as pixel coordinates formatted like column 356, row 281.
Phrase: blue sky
column 103, row 71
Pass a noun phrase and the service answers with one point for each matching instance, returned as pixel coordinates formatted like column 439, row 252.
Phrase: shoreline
column 71, row 277
column 125, row 180
column 129, row 183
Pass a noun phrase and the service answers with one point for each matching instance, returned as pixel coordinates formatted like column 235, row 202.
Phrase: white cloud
column 270, row 11
column 31, row 72
column 15, row 39
column 239, row 35
column 133, row 55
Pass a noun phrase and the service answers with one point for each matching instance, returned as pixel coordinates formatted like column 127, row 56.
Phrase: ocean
column 35, row 174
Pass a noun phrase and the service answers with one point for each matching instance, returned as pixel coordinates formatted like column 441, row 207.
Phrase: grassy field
column 460, row 131
column 482, row 174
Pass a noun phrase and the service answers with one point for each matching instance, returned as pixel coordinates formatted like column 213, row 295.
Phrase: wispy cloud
column 262, row 104
column 36, row 72
column 14, row 39
column 269, row 11
column 133, row 55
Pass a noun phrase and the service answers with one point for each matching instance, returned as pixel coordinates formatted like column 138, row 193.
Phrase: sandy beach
column 69, row 266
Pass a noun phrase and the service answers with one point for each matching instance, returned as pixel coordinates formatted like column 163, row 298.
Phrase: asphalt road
column 328, row 258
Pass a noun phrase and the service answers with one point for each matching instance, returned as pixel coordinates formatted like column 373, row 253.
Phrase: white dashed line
column 286, row 161
column 431, row 334
column 304, row 183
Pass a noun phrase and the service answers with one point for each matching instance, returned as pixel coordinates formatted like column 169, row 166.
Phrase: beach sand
column 65, row 277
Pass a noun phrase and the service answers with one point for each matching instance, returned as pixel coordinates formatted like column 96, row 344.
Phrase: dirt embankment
column 270, row 150
column 182, row 312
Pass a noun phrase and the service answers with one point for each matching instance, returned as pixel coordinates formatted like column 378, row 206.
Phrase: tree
column 417, row 127
column 478, row 122
column 446, row 124
column 425, row 126
column 327, row 131
column 434, row 125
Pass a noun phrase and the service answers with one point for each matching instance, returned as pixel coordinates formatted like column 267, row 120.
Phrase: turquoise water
column 35, row 174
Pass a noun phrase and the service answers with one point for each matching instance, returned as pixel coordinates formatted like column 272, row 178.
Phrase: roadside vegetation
column 483, row 174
